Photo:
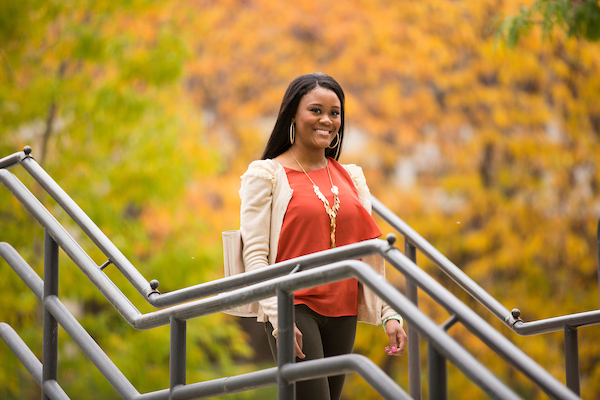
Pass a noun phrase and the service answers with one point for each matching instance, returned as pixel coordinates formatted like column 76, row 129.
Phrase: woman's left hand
column 397, row 336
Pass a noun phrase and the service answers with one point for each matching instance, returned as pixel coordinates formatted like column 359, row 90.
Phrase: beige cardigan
column 265, row 195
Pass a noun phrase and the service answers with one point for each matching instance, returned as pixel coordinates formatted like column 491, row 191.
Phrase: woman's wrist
column 396, row 317
column 276, row 331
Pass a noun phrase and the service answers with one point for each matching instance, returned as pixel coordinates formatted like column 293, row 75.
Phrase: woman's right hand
column 398, row 339
column 298, row 343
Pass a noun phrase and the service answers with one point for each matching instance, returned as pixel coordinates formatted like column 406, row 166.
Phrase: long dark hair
column 279, row 141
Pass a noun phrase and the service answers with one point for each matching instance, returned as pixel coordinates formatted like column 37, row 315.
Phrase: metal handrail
column 174, row 297
column 14, row 159
column 300, row 280
column 54, row 231
column 567, row 323
column 161, row 317
column 442, row 262
column 101, row 360
column 477, row 292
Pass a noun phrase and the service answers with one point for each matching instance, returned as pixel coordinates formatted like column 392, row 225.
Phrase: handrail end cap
column 391, row 238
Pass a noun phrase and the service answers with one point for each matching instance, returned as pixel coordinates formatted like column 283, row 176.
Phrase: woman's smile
column 317, row 119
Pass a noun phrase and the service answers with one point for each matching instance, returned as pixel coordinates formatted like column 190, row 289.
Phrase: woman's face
column 317, row 119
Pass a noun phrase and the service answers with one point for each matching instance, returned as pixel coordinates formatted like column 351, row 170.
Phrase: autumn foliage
column 147, row 113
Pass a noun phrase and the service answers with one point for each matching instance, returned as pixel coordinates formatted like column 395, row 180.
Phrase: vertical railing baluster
column 438, row 376
column 177, row 358
column 285, row 342
column 50, row 325
column 414, row 351
column 572, row 358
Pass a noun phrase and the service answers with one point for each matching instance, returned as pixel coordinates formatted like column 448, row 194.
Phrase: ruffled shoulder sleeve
column 264, row 169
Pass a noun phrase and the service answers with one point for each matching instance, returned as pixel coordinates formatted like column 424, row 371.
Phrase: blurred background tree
column 147, row 113
column 578, row 18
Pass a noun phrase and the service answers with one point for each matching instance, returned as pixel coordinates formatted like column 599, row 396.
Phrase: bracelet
column 397, row 317
column 276, row 330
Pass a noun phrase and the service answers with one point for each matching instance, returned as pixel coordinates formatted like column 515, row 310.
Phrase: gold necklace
column 332, row 212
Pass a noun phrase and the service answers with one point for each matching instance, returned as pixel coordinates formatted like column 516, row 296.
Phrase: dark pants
column 321, row 337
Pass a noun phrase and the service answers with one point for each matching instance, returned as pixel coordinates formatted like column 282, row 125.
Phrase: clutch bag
column 233, row 264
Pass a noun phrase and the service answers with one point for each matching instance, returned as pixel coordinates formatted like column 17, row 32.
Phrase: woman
column 298, row 200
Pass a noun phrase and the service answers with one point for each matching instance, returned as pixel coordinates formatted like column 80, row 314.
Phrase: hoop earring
column 292, row 133
column 337, row 136
column 337, row 153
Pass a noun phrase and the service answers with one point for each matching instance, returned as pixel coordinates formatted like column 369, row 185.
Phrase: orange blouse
column 306, row 229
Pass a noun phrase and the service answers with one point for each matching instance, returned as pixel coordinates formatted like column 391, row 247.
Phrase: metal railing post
column 572, row 358
column 50, row 325
column 438, row 377
column 285, row 342
column 414, row 350
column 177, row 357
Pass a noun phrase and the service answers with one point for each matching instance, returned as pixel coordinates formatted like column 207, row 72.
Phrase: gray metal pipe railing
column 69, row 245
column 14, row 159
column 54, row 391
column 115, row 296
column 30, row 362
column 90, row 348
column 556, row 324
column 112, row 293
column 478, row 326
column 88, row 226
column 572, row 359
column 174, row 297
column 232, row 299
column 341, row 270
column 263, row 274
column 477, row 292
column 447, row 266
column 348, row 363
column 197, row 291
column 57, row 309
column 413, row 346
column 23, row 353
column 567, row 323
column 50, row 324
column 178, row 296
column 382, row 288
column 22, row 268
column 88, row 345
column 286, row 340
